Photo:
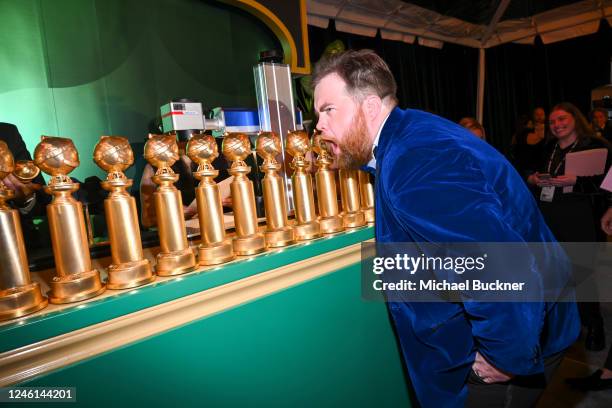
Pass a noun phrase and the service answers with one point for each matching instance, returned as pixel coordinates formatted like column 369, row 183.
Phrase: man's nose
column 321, row 125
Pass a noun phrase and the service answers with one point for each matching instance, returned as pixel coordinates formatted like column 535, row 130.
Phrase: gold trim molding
column 39, row 358
column 280, row 30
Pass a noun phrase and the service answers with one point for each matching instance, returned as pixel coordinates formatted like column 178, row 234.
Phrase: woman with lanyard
column 573, row 216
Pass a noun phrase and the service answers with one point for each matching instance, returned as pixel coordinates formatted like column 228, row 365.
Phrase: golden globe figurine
column 248, row 240
column 329, row 213
column 129, row 267
column 307, row 226
column 19, row 296
column 175, row 256
column 278, row 232
column 215, row 248
column 366, row 194
column 75, row 279
column 351, row 205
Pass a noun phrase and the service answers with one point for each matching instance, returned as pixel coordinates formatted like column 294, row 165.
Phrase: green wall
column 86, row 68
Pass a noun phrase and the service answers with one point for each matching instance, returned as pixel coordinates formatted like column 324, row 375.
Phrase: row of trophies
column 76, row 280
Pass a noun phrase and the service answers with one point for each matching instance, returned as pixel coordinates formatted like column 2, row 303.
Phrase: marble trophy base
column 249, row 245
column 309, row 230
column 331, row 225
column 215, row 254
column 175, row 263
column 129, row 275
column 280, row 237
column 75, row 287
column 21, row 300
column 353, row 219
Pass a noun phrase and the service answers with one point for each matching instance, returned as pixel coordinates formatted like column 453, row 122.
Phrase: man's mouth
column 333, row 146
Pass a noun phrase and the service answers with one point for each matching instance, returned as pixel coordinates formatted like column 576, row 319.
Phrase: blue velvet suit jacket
column 436, row 182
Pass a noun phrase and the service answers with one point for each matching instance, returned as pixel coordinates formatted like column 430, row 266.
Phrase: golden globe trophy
column 129, row 267
column 75, row 279
column 248, row 241
column 215, row 248
column 278, row 232
column 349, row 191
column 366, row 194
column 307, row 226
column 325, row 178
column 19, row 296
column 175, row 256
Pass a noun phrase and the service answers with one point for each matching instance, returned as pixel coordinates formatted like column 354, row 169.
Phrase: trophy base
column 368, row 214
column 75, row 287
column 129, row 275
column 280, row 237
column 249, row 245
column 215, row 254
column 20, row 301
column 175, row 263
column 331, row 225
column 310, row 230
column 353, row 220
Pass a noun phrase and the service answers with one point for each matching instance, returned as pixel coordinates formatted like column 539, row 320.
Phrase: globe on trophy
column 26, row 171
column 113, row 154
column 161, row 151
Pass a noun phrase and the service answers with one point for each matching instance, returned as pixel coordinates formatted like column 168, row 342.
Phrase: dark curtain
column 518, row 77
column 440, row 81
column 522, row 77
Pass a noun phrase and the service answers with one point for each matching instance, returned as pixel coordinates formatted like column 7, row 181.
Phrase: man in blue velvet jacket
column 435, row 182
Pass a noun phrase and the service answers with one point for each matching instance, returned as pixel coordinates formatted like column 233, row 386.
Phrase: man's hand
column 487, row 372
column 606, row 222
column 22, row 191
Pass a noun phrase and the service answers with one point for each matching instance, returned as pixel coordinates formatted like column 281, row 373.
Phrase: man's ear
column 371, row 106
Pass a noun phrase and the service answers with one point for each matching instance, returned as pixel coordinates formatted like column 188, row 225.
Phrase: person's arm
column 224, row 191
column 147, row 188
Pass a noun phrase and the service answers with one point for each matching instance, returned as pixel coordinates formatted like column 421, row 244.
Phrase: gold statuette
column 278, row 232
column 366, row 194
column 307, row 226
column 75, row 279
column 351, row 206
column 129, row 267
column 215, row 248
column 248, row 241
column 329, row 214
column 19, row 296
column 175, row 256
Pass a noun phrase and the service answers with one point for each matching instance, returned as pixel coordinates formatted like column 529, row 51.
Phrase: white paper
column 586, row 163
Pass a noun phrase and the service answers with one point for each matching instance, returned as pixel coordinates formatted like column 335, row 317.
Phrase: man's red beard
column 355, row 151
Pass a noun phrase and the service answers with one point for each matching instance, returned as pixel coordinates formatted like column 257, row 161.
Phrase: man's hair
column 363, row 71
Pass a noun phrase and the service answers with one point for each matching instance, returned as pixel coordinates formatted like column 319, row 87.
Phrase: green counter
column 285, row 328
